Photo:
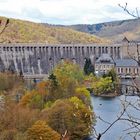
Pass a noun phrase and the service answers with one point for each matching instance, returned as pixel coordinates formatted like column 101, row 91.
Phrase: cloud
column 1, row 1
column 66, row 11
column 33, row 13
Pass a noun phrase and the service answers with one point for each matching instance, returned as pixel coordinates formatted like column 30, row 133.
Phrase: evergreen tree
column 88, row 67
column 53, row 78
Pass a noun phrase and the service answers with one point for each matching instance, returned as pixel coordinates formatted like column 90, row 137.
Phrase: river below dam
column 108, row 109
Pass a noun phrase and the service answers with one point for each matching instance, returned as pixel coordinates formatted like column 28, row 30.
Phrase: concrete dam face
column 41, row 58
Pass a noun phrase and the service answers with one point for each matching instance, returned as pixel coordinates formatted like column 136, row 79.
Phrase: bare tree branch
column 3, row 26
column 111, row 124
column 133, row 14
column 103, row 120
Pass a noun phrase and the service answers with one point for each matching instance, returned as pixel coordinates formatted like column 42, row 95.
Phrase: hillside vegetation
column 57, row 108
column 114, row 31
column 19, row 31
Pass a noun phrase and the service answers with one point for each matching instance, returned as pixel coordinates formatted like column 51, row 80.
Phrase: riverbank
column 109, row 95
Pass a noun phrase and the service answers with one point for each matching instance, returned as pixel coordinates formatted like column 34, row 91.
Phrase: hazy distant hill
column 113, row 30
column 24, row 31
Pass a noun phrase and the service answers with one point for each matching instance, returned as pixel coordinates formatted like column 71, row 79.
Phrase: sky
column 67, row 12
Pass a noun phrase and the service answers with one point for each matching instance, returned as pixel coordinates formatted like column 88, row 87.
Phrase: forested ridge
column 19, row 31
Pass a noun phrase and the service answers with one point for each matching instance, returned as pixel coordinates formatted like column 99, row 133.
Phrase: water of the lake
column 108, row 109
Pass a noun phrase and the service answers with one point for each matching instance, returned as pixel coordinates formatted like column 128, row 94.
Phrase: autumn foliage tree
column 8, row 81
column 102, row 86
column 71, row 116
column 41, row 131
column 64, row 103
column 15, row 121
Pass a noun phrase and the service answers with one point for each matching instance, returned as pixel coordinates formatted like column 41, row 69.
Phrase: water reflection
column 109, row 109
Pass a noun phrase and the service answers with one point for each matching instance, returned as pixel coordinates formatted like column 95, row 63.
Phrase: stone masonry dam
column 41, row 58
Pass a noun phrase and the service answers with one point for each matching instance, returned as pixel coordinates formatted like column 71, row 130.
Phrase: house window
column 126, row 70
column 121, row 70
column 129, row 70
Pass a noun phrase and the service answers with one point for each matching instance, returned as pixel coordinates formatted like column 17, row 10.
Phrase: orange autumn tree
column 41, row 131
column 71, row 116
column 42, row 87
column 36, row 97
